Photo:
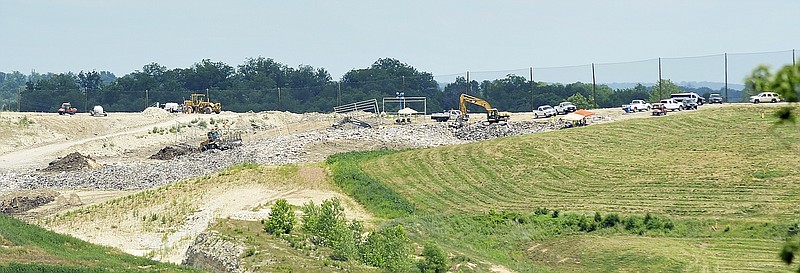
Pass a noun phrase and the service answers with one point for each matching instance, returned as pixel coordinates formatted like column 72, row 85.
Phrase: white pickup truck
column 637, row 106
column 565, row 108
column 446, row 115
column 672, row 105
column 544, row 111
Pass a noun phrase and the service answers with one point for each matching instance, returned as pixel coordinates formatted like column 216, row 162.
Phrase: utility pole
column 339, row 94
column 279, row 98
column 19, row 97
column 594, row 88
column 469, row 86
column 532, row 105
column 85, row 100
column 659, row 79
column 146, row 98
column 726, row 77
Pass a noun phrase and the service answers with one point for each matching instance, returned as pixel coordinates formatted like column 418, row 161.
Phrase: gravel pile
column 479, row 132
column 156, row 113
column 280, row 150
column 72, row 162
column 175, row 150
column 23, row 201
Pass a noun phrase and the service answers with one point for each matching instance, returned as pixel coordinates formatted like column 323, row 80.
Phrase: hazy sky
column 440, row 37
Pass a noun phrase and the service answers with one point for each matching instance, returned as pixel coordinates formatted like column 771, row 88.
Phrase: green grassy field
column 29, row 248
column 725, row 176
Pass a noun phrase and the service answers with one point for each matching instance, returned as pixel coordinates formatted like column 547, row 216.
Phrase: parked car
column 689, row 104
column 714, row 98
column 765, row 97
column 565, row 108
column 544, row 111
column 672, row 105
column 637, row 106
column 680, row 96
column 659, row 109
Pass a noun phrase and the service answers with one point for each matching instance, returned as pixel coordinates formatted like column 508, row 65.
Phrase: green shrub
column 281, row 218
column 597, row 217
column 541, row 211
column 343, row 243
column 434, row 259
column 388, row 248
column 24, row 121
column 610, row 220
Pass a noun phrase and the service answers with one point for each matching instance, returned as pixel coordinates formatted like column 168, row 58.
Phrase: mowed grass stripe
column 681, row 165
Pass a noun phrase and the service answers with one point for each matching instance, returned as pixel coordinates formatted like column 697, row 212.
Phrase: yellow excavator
column 492, row 115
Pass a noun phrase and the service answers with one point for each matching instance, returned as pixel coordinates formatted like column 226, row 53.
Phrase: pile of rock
column 213, row 253
column 155, row 113
column 479, row 132
column 72, row 162
column 23, row 201
column 175, row 150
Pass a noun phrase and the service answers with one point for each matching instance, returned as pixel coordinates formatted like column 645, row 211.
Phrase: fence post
column 594, row 88
column 726, row 78
column 532, row 84
column 659, row 79
column 469, row 85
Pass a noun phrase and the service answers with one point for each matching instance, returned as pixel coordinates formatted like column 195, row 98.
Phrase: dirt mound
column 72, row 162
column 155, row 112
column 23, row 201
column 174, row 150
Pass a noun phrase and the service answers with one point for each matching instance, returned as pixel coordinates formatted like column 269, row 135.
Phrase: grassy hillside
column 725, row 177
column 716, row 163
column 29, row 248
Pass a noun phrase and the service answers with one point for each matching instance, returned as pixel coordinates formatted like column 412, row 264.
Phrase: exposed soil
column 72, row 162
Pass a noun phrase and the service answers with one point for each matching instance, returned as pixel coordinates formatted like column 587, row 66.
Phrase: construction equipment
column 199, row 103
column 98, row 111
column 492, row 115
column 66, row 108
column 216, row 139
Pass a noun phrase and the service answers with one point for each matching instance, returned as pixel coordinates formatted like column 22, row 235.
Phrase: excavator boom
column 492, row 115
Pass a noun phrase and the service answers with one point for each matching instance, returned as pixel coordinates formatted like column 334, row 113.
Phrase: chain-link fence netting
column 522, row 89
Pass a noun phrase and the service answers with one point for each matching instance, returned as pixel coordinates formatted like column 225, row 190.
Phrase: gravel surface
column 280, row 150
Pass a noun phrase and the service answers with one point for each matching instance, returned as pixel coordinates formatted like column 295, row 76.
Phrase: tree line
column 263, row 84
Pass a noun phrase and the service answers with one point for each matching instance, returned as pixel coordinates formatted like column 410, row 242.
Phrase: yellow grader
column 199, row 103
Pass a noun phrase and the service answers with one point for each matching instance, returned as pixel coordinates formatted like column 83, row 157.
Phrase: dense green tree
column 663, row 90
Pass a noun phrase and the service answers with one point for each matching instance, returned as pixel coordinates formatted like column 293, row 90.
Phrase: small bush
column 555, row 213
column 24, row 121
column 434, row 259
column 541, row 211
column 597, row 217
column 281, row 218
column 611, row 220
column 388, row 248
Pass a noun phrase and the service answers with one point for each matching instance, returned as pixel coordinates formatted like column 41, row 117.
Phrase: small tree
column 281, row 218
column 435, row 260
column 663, row 90
column 387, row 248
column 580, row 101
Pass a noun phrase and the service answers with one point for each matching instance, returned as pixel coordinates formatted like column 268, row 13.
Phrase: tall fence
column 722, row 73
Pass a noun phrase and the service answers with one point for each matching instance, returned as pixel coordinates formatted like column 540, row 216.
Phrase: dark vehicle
column 714, row 98
column 689, row 104
column 659, row 109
